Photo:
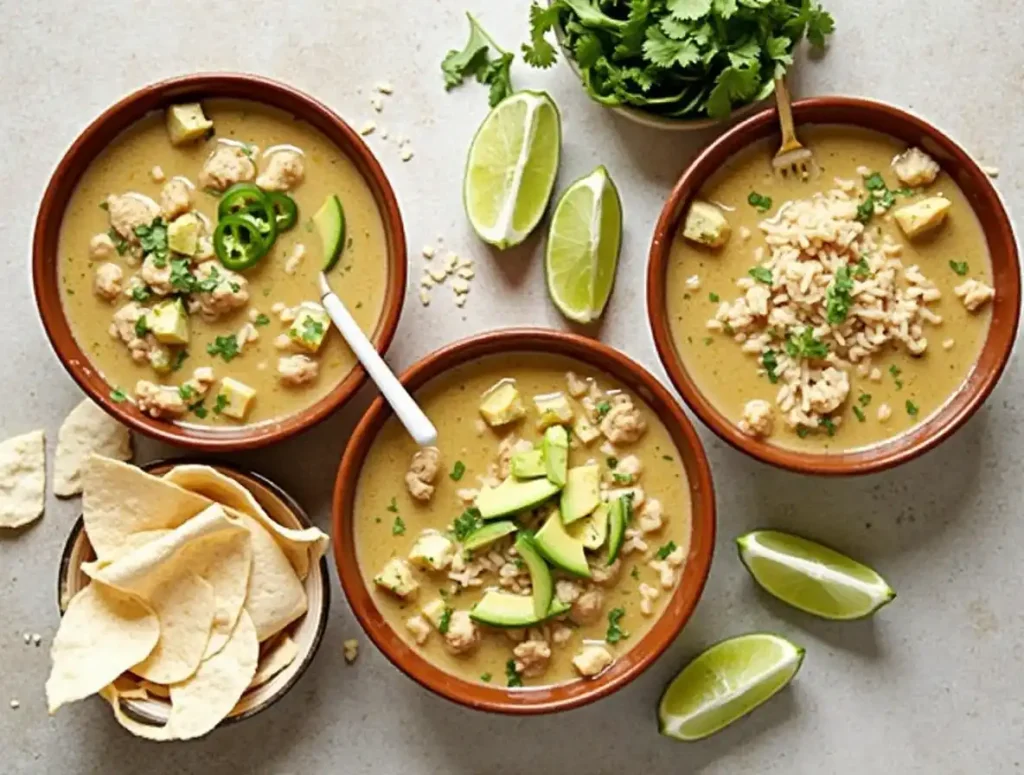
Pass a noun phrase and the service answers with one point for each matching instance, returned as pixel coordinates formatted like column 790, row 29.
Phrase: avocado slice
column 330, row 224
column 582, row 492
column 504, row 609
column 513, row 495
column 556, row 454
column 592, row 531
column 561, row 549
column 620, row 511
column 540, row 574
column 528, row 465
column 502, row 404
column 488, row 534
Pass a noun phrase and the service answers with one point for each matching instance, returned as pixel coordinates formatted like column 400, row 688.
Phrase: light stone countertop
column 933, row 684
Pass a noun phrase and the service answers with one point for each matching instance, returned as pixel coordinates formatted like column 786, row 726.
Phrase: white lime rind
column 511, row 168
column 584, row 240
column 813, row 577
column 725, row 683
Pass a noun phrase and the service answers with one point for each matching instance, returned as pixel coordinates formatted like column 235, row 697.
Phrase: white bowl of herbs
column 676, row 64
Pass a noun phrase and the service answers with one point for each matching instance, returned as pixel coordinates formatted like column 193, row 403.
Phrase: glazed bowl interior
column 95, row 139
column 626, row 667
column 999, row 236
column 307, row 632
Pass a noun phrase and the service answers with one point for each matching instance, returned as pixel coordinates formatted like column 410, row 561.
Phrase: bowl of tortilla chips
column 191, row 596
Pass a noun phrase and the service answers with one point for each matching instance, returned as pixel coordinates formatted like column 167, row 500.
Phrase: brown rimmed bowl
column 307, row 631
column 558, row 697
column 999, row 236
column 97, row 137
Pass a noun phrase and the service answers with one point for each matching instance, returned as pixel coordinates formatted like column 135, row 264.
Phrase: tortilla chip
column 22, row 479
column 224, row 560
column 129, row 689
column 204, row 700
column 157, row 690
column 103, row 633
column 274, row 660
column 185, row 606
column 303, row 548
column 86, row 430
column 275, row 597
column 119, row 500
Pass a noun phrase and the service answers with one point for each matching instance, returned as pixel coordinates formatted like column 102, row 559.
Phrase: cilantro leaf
column 771, row 364
column 474, row 61
column 466, row 523
column 153, row 240
column 539, row 52
column 838, row 297
column 445, row 621
column 733, row 85
column 615, row 632
column 666, row 550
column 118, row 396
column 806, row 345
column 224, row 346
column 759, row 201
column 688, row 10
column 960, row 267
column 663, row 51
column 398, row 527
column 458, row 470
column 512, row 676
column 762, row 274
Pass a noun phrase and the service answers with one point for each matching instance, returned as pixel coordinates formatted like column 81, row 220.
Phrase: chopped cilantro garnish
column 141, row 327
column 120, row 243
column 762, row 274
column 635, row 573
column 612, row 462
column 467, row 522
column 622, row 478
column 865, row 210
column 485, row 677
column 153, row 239
column 117, row 396
column 828, row 425
column 312, row 330
column 457, row 470
column 770, row 363
column 262, row 320
column 393, row 506
column 603, row 408
column 104, row 206
column 911, row 408
column 859, row 413
column 398, row 527
column 874, row 182
column 224, row 346
column 960, row 267
column 839, row 296
column 760, row 202
column 803, row 431
column 861, row 270
column 714, row 297
column 805, row 346
column 187, row 392
column 198, row 410
column 864, row 399
column 512, row 675
column 141, row 294
column 708, row 340
column 669, row 458
column 220, row 403
column 615, row 632
column 896, row 371
column 666, row 550
column 179, row 358
column 445, row 622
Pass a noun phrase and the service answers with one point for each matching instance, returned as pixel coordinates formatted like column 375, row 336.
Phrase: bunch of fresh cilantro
column 683, row 59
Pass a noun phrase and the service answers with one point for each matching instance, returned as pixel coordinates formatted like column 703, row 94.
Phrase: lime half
column 583, row 247
column 511, row 168
column 726, row 682
column 812, row 577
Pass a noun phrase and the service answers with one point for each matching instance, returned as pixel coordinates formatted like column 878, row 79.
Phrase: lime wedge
column 726, row 682
column 812, row 577
column 583, row 247
column 511, row 168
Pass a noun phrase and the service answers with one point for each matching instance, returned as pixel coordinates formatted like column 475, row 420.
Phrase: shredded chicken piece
column 462, row 636
column 227, row 165
column 605, row 575
column 577, row 386
column 587, row 607
column 975, row 294
column 284, row 171
column 296, row 370
column 107, row 281
column 419, row 627
column 230, row 293
column 567, row 591
column 623, row 423
column 159, row 401
column 422, row 472
column 175, row 199
column 532, row 658
column 157, row 277
column 592, row 660
column 129, row 211
column 757, row 418
column 915, row 168
column 101, row 247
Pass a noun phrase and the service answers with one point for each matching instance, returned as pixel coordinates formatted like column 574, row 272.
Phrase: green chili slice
column 250, row 199
column 238, row 241
column 286, row 212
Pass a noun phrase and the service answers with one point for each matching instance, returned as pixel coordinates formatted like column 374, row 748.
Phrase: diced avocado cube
column 237, row 398
column 582, row 492
column 556, row 454
column 432, row 551
column 585, row 430
column 396, row 577
column 502, row 404
column 310, row 326
column 434, row 611
column 554, row 409
column 168, row 322
column 186, row 123
column 159, row 358
column 923, row 216
column 183, row 234
column 528, row 465
column 706, row 225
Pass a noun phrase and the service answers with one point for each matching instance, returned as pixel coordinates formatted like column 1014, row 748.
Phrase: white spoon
column 408, row 412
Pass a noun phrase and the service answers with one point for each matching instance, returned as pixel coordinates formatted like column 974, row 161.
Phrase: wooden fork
column 792, row 157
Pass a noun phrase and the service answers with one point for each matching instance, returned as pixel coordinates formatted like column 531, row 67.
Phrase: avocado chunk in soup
column 834, row 313
column 492, row 554
column 189, row 336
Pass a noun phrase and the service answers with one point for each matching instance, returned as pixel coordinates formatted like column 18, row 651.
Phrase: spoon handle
column 408, row 412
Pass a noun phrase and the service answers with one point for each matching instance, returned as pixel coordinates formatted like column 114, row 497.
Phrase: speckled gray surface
column 931, row 685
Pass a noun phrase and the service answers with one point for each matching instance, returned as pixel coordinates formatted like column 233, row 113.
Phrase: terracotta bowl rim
column 1000, row 238
column 562, row 696
column 300, row 514
column 96, row 137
